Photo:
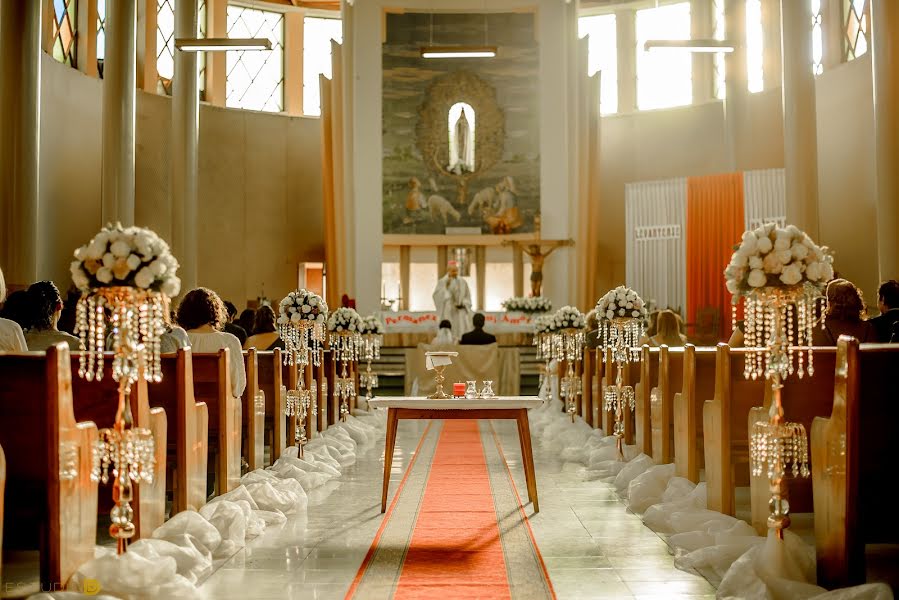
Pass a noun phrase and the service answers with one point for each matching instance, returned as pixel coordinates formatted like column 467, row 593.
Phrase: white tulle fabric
column 725, row 550
column 185, row 549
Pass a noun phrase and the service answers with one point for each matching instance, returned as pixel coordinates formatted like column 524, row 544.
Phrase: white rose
column 80, row 280
column 629, row 305
column 635, row 313
column 96, row 250
column 81, row 253
column 171, row 287
column 772, row 264
column 827, row 275
column 621, row 312
column 306, row 308
column 104, row 275
column 739, row 260
column 120, row 249
column 749, row 243
column 133, row 261
column 733, row 286
column 610, row 314
column 765, row 245
column 144, row 278
column 108, row 260
column 282, row 320
column 757, row 278
column 799, row 251
column 784, row 256
column 814, row 271
column 158, row 267
column 791, row 275
column 295, row 318
column 756, row 262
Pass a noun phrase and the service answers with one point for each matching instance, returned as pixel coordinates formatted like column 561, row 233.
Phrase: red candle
column 458, row 390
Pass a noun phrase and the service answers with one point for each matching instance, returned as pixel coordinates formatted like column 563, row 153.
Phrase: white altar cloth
column 426, row 322
column 497, row 402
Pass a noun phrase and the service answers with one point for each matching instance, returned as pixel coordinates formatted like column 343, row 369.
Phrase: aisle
column 591, row 546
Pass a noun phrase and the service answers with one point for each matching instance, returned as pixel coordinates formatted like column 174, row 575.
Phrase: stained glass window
column 817, row 38
column 602, row 55
column 719, row 61
column 65, row 19
column 664, row 76
column 256, row 77
column 165, row 45
column 317, row 36
column 101, row 35
column 755, row 46
column 856, row 28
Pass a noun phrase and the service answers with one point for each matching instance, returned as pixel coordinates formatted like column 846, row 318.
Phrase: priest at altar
column 452, row 300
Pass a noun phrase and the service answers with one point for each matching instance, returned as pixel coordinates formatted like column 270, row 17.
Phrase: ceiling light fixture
column 709, row 46
column 222, row 44
column 458, row 52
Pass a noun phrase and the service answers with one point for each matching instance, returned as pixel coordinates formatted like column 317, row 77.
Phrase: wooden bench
column 50, row 455
column 322, row 388
column 698, row 385
column 2, row 493
column 649, row 372
column 587, row 378
column 187, row 431
column 853, row 450
column 97, row 401
column 212, row 385
column 669, row 383
column 253, row 421
column 272, row 385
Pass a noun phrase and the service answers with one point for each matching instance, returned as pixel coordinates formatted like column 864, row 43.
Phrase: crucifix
column 538, row 249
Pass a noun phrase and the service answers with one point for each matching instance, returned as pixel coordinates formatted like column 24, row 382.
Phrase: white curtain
column 764, row 197
column 655, row 218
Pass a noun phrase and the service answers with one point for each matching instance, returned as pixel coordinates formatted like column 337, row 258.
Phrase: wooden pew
column 698, row 385
column 253, row 414
column 309, row 382
column 2, row 494
column 596, row 386
column 212, row 385
column 291, row 375
column 649, row 372
column 587, row 399
column 607, row 379
column 670, row 382
column 853, row 451
column 803, row 400
column 271, row 382
column 97, row 401
column 187, row 432
column 52, row 502
column 322, row 389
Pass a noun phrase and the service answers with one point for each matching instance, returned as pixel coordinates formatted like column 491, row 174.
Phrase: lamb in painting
column 483, row 201
column 438, row 206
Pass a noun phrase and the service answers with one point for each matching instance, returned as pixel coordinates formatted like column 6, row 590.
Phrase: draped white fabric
column 655, row 216
column 764, row 197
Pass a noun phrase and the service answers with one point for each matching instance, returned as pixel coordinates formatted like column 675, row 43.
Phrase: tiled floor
column 593, row 548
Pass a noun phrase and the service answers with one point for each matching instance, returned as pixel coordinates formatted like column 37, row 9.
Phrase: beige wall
column 260, row 185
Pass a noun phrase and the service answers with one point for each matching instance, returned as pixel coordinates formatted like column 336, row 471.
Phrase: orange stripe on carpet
column 456, row 550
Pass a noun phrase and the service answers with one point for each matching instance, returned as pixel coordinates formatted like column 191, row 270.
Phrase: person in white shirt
column 45, row 306
column 11, row 337
column 202, row 313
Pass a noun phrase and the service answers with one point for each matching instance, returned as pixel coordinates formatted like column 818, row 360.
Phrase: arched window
column 461, row 137
column 65, row 19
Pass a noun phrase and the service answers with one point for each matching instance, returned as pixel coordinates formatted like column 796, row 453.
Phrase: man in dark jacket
column 477, row 336
column 233, row 328
column 888, row 302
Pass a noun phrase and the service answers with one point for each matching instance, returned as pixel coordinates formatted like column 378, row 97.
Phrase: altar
column 409, row 328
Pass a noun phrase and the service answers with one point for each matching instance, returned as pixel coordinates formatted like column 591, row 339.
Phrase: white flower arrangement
column 771, row 256
column 126, row 257
column 621, row 303
column 567, row 317
column 345, row 320
column 372, row 325
column 542, row 324
column 528, row 305
column 302, row 305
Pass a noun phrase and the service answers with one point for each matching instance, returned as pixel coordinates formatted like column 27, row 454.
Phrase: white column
column 885, row 46
column 185, row 140
column 119, row 82
column 735, row 74
column 626, row 41
column 20, row 82
column 800, row 125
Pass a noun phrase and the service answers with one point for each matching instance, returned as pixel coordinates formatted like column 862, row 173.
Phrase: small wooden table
column 500, row 407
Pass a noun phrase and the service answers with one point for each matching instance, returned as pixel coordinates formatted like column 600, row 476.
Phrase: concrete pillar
column 517, row 271
column 20, row 99
column 119, row 81
column 885, row 54
column 480, row 253
column 735, row 75
column 626, row 40
column 405, row 276
column 702, row 27
column 185, row 141
column 800, row 125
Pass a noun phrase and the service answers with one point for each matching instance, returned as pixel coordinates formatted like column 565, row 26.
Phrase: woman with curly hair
column 44, row 308
column 845, row 315
column 202, row 314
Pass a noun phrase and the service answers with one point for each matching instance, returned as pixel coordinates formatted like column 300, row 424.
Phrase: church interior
column 374, row 299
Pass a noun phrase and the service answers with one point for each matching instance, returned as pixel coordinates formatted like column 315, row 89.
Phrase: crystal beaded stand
column 622, row 336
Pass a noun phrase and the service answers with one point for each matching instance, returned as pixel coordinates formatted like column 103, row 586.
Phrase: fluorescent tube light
column 458, row 52
column 711, row 46
column 222, row 44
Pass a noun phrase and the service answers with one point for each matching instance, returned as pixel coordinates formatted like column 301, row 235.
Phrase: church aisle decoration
column 126, row 276
column 372, row 338
column 622, row 318
column 301, row 324
column 543, row 342
column 780, row 275
column 345, row 328
column 567, row 338
column 528, row 305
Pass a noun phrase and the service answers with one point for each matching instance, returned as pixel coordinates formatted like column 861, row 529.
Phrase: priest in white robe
column 452, row 299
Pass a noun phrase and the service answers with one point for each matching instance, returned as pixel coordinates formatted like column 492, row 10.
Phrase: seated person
column 592, row 339
column 444, row 334
column 170, row 340
column 265, row 333
column 202, row 314
column 667, row 331
column 477, row 336
column 844, row 315
column 11, row 337
column 888, row 303
column 234, row 328
column 247, row 320
column 44, row 308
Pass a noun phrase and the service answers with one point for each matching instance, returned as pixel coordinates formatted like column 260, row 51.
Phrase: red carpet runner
column 455, row 529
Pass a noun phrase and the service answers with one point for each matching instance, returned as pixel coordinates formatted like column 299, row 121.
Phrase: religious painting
column 461, row 144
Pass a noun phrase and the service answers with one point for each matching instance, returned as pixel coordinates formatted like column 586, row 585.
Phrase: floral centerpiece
column 372, row 325
column 566, row 339
column 345, row 320
column 345, row 341
column 528, row 305
column 372, row 337
column 567, row 317
column 302, row 316
column 621, row 302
